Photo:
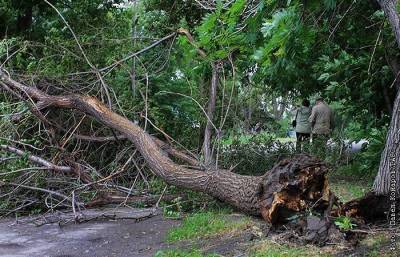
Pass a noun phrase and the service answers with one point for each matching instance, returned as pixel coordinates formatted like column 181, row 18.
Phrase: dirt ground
column 143, row 237
column 102, row 238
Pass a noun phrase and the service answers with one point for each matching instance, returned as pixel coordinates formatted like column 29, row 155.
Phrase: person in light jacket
column 322, row 124
column 303, row 126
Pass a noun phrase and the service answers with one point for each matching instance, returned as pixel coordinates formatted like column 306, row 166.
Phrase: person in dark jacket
column 303, row 126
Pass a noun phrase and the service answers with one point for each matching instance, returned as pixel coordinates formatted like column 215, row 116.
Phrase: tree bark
column 291, row 186
column 390, row 9
column 388, row 178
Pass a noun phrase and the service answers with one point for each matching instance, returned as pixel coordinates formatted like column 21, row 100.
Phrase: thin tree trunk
column 395, row 69
column 248, row 117
column 133, row 68
column 278, row 108
column 388, row 101
column 207, row 148
column 282, row 107
column 388, row 178
column 274, row 107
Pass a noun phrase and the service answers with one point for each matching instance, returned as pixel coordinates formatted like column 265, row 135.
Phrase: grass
column 371, row 246
column 348, row 186
column 378, row 246
column 182, row 253
column 348, row 190
column 270, row 249
column 374, row 243
column 205, row 224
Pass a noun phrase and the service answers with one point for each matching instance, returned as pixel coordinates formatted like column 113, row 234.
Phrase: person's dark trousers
column 303, row 140
column 319, row 143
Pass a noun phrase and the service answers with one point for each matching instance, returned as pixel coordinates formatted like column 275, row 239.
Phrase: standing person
column 303, row 126
column 322, row 124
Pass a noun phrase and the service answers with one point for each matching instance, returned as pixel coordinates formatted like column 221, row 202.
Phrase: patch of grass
column 271, row 249
column 378, row 246
column 353, row 171
column 377, row 241
column 348, row 190
column 205, row 224
column 348, row 185
column 182, row 253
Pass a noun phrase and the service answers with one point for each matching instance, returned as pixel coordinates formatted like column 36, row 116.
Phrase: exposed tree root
column 292, row 186
column 369, row 208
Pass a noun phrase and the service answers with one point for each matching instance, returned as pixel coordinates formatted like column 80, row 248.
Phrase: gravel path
column 90, row 239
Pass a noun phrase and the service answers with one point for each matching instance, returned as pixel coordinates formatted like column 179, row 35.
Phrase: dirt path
column 91, row 239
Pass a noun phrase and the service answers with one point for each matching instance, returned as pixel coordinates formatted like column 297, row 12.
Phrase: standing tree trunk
column 207, row 147
column 388, row 174
column 389, row 167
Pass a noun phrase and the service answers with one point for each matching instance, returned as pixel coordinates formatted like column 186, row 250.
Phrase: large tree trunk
column 388, row 178
column 291, row 186
column 389, row 168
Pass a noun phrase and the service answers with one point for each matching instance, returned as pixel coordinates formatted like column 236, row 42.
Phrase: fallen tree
column 290, row 186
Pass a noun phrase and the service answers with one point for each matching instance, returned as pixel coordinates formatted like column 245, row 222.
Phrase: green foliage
column 344, row 223
column 217, row 32
column 253, row 154
column 330, row 4
column 278, row 31
column 371, row 155
column 243, row 139
column 366, row 162
column 174, row 210
column 287, row 48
